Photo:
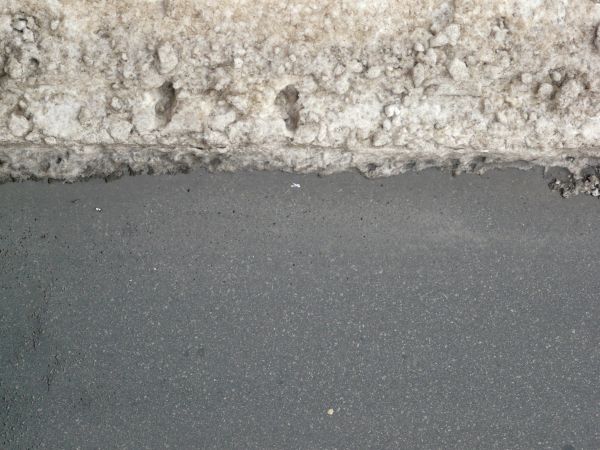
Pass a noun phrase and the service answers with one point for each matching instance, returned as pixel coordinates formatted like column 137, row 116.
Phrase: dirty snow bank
column 108, row 87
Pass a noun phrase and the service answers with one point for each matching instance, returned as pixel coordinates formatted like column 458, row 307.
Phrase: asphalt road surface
column 277, row 311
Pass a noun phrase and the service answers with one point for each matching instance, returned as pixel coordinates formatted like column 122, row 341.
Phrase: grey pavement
column 242, row 311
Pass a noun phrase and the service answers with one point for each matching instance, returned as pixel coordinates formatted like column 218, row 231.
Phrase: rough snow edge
column 568, row 175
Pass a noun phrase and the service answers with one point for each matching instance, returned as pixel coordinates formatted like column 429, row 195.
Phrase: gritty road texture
column 245, row 311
